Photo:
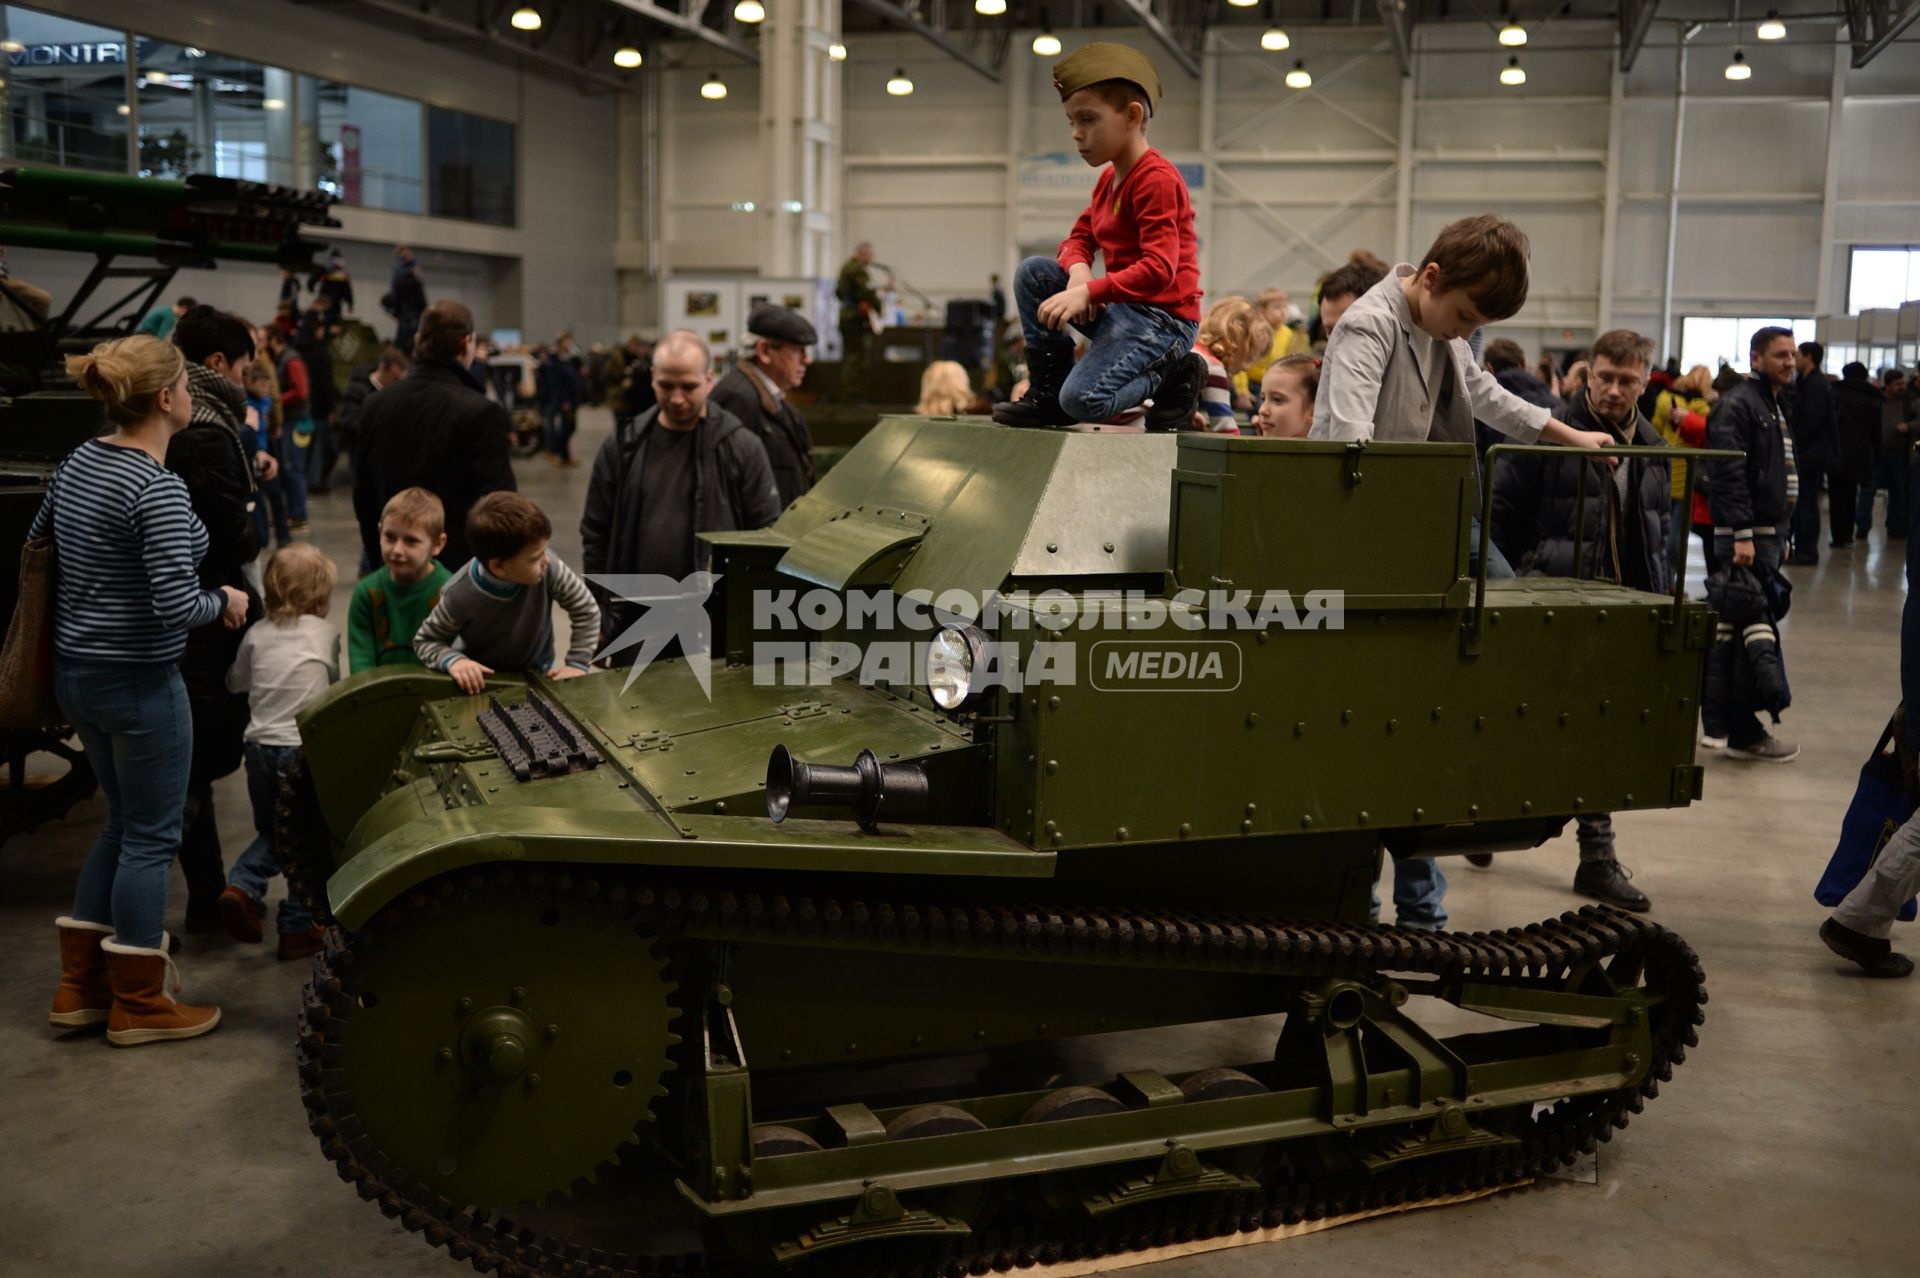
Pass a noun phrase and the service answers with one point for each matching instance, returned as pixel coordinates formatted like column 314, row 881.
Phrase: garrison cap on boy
column 1092, row 63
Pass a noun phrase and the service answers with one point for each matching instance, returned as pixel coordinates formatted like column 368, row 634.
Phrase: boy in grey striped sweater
column 499, row 607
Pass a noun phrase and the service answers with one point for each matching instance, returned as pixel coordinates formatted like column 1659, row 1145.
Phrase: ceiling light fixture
column 1298, row 77
column 1243, row 4
column 1273, row 40
column 12, row 46
column 714, row 88
column 1513, row 72
column 749, row 11
column 1738, row 68
column 1773, row 28
column 1047, row 44
column 989, row 8
column 156, row 76
column 123, row 109
column 525, row 18
column 1513, row 35
column 837, row 52
column 899, row 86
column 628, row 57
column 273, row 104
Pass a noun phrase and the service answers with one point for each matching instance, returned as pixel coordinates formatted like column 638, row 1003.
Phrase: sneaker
column 240, row 915
column 1768, row 749
column 1875, row 956
column 1482, row 859
column 1708, row 742
column 1177, row 397
column 1607, row 881
column 299, row 945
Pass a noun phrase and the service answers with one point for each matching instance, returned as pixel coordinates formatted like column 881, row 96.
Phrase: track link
column 1547, row 950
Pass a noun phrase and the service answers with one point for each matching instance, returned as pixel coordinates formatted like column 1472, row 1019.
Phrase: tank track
column 1558, row 1136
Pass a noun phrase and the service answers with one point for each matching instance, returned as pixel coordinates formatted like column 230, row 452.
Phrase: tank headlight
column 953, row 659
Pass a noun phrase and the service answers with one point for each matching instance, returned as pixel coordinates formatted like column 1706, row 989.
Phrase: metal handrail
column 1627, row 451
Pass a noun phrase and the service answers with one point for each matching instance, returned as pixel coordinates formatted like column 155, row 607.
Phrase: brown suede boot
column 85, row 995
column 299, row 945
column 144, row 1009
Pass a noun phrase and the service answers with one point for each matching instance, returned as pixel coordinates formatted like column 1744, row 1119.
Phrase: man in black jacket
column 1857, row 407
column 220, row 480
column 755, row 391
column 1536, row 504
column 362, row 382
column 433, row 429
column 684, row 466
column 1816, row 449
column 1747, row 497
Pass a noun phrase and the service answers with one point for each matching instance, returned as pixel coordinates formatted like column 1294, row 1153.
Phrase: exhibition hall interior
column 920, row 638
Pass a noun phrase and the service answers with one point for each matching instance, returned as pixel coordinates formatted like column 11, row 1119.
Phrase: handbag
column 26, row 660
column 1881, row 805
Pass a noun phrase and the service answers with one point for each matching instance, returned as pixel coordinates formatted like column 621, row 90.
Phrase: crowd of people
column 183, row 654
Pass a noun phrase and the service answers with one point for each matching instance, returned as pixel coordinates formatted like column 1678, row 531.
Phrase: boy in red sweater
column 1141, row 316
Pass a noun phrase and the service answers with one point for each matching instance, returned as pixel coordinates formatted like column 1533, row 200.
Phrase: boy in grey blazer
column 1397, row 366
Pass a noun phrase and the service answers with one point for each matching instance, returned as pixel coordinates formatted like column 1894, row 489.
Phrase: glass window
column 360, row 145
column 1882, row 278
column 205, row 112
column 1714, row 340
column 470, row 165
column 65, row 89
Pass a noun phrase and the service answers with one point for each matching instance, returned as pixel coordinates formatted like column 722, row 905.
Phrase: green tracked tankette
column 568, row 929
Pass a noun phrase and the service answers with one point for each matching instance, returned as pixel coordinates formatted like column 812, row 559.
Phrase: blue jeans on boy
column 296, row 440
column 1891, row 472
column 1131, row 344
column 1418, row 890
column 138, row 733
column 266, row 764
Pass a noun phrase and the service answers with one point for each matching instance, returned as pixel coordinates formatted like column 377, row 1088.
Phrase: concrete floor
column 1785, row 1145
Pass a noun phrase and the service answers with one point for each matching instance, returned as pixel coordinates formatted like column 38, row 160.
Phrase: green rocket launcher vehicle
column 1011, row 740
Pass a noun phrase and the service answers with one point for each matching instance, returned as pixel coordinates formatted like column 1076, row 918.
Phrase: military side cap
column 1092, row 63
column 778, row 324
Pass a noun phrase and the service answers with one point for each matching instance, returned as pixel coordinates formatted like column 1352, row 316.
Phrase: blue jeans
column 1131, row 345
column 1497, row 565
column 293, row 464
column 1743, row 726
column 1418, row 890
column 266, row 764
column 560, row 425
column 320, row 455
column 138, row 734
column 1892, row 474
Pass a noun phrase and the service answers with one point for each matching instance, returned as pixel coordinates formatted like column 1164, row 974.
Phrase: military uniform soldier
column 859, row 302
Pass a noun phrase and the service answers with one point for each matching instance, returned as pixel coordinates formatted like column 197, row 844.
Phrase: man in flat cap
column 755, row 391
column 1139, row 318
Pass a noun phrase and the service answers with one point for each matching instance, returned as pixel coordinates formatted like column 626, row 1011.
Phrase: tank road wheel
column 495, row 1037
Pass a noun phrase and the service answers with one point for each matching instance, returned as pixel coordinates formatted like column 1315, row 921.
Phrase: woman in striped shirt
column 126, row 543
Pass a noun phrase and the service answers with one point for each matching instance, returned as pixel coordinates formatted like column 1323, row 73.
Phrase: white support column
column 1403, row 186
column 1823, row 299
column 797, row 146
column 1610, row 201
column 1667, row 337
column 1019, row 80
column 1209, row 157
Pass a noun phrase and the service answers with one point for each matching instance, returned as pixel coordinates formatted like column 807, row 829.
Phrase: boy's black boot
column 1047, row 369
column 1177, row 397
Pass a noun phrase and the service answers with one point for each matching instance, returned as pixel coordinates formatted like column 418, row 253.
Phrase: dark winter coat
column 733, row 489
column 1528, row 387
column 561, row 386
column 353, row 402
column 432, row 429
column 779, row 426
column 1750, row 491
column 322, row 398
column 1857, row 403
column 1815, row 424
column 1536, row 500
column 209, row 457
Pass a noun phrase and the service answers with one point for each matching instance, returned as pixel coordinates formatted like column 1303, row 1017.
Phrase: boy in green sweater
column 391, row 603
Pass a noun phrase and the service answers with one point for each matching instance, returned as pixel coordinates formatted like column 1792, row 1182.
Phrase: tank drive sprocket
column 460, row 1034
